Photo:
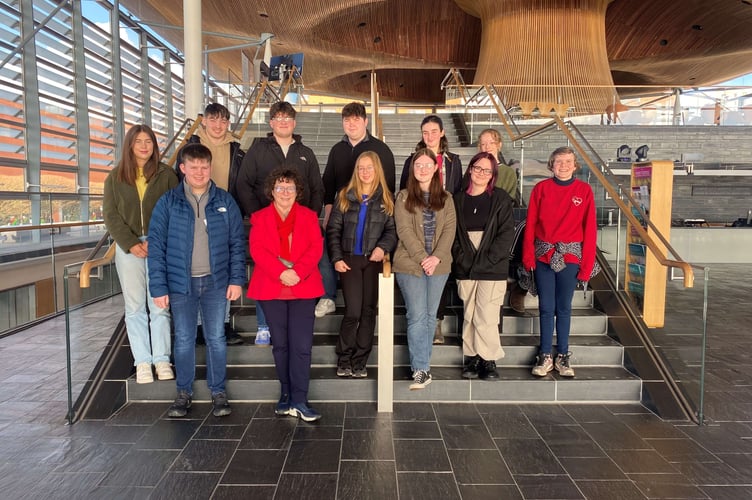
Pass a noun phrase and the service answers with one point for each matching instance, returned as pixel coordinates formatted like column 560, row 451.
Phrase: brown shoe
column 517, row 297
column 438, row 337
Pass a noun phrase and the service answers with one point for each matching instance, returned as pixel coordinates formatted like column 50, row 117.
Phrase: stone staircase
column 597, row 358
column 598, row 361
column 320, row 131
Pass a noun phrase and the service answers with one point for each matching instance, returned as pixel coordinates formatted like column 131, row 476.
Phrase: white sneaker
column 143, row 374
column 164, row 371
column 324, row 307
column 263, row 337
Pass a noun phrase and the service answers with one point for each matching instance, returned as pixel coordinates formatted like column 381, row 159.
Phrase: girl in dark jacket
column 359, row 233
column 480, row 263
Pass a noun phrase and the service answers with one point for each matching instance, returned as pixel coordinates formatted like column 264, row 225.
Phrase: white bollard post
column 385, row 396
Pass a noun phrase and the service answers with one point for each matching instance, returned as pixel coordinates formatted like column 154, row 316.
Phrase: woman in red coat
column 286, row 245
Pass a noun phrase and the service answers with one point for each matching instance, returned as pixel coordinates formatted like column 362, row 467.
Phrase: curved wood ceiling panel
column 661, row 42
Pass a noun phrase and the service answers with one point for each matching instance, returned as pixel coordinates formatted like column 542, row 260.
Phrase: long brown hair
column 128, row 166
column 357, row 186
column 437, row 195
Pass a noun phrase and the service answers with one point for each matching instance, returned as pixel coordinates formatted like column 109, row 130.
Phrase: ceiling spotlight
column 263, row 14
column 697, row 27
column 362, row 25
column 377, row 39
column 663, row 42
column 364, row 75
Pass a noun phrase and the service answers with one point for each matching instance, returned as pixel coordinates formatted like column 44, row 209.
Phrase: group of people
column 181, row 248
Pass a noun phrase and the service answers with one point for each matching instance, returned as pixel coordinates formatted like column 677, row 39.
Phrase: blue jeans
column 291, row 327
column 134, row 281
column 210, row 300
column 260, row 317
column 328, row 275
column 422, row 295
column 555, row 292
column 227, row 314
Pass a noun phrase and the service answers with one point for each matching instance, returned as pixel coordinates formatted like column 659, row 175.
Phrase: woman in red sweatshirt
column 559, row 246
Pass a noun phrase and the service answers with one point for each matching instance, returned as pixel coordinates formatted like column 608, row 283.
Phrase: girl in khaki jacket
column 425, row 219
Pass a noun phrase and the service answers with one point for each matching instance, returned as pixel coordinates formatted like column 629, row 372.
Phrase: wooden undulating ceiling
column 412, row 44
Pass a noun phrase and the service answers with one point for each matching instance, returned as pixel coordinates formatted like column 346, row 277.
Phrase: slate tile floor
column 421, row 451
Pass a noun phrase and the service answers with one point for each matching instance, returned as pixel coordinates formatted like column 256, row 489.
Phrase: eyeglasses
column 482, row 171
column 285, row 189
column 283, row 119
column 424, row 166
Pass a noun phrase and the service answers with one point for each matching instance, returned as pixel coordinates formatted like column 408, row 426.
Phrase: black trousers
column 360, row 288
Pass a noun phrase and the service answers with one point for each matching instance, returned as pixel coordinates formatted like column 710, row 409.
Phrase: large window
column 74, row 87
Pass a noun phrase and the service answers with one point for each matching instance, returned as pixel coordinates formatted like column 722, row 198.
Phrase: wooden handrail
column 260, row 91
column 191, row 131
column 387, row 266
column 658, row 252
column 55, row 225
column 84, row 277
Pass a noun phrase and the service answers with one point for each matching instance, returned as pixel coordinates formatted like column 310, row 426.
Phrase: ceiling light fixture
column 697, row 27
column 663, row 42
column 377, row 39
column 362, row 25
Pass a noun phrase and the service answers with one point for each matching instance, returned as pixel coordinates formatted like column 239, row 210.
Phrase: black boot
column 487, row 370
column 471, row 368
column 517, row 297
column 231, row 336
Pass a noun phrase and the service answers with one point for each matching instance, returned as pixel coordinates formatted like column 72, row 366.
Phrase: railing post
column 385, row 396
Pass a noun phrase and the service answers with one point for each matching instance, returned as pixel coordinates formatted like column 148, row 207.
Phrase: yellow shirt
column 140, row 183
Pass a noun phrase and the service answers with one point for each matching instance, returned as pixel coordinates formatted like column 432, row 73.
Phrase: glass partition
column 33, row 256
column 90, row 317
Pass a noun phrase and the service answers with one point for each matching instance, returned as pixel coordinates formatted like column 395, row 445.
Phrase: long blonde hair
column 356, row 185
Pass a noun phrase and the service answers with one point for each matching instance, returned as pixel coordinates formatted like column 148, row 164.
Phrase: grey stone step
column 604, row 385
column 584, row 322
column 519, row 351
column 580, row 300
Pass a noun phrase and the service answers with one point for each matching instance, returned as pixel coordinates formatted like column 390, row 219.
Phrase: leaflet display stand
column 652, row 188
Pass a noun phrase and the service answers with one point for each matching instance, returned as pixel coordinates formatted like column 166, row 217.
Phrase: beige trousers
column 482, row 301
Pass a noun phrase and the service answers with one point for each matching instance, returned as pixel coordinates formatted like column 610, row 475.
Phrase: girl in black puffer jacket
column 359, row 234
